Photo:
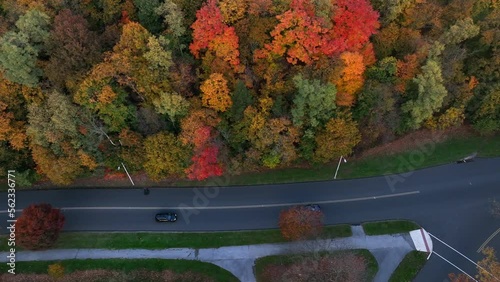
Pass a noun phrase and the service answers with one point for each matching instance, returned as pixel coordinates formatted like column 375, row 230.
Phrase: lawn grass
column 409, row 267
column 389, row 227
column 438, row 153
column 86, row 240
column 434, row 154
column 261, row 263
column 126, row 265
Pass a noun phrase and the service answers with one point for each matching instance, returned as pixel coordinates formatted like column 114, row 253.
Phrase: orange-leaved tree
column 225, row 47
column 216, row 93
column 299, row 223
column 300, row 35
column 38, row 226
column 307, row 30
column 350, row 79
column 406, row 70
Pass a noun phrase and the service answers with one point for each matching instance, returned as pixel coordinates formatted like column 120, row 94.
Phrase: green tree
column 157, row 55
column 52, row 122
column 35, row 24
column 147, row 15
column 487, row 116
column 108, row 102
column 384, row 71
column 390, row 10
column 241, row 100
column 165, row 156
column 173, row 105
column 431, row 93
column 463, row 29
column 314, row 102
column 18, row 59
column 172, row 17
column 19, row 50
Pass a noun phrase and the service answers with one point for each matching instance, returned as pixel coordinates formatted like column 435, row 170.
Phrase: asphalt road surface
column 451, row 202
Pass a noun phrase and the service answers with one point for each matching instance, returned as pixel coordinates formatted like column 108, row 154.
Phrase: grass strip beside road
column 126, row 265
column 376, row 165
column 409, row 267
column 285, row 260
column 437, row 154
column 86, row 240
column 389, row 227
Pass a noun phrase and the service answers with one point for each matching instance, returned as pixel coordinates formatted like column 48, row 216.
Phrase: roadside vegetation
column 353, row 265
column 382, row 163
column 195, row 240
column 409, row 267
column 389, row 227
column 124, row 270
column 192, row 89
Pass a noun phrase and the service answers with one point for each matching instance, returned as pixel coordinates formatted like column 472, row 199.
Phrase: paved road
column 451, row 202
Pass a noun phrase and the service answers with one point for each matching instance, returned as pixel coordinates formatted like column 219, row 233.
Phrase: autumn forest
column 194, row 89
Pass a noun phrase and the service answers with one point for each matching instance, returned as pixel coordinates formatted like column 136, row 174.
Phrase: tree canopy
column 204, row 88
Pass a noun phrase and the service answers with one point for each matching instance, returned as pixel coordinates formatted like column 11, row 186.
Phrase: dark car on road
column 166, row 217
column 313, row 207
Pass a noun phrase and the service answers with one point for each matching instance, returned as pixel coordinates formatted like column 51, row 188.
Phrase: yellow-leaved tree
column 216, row 93
column 338, row 138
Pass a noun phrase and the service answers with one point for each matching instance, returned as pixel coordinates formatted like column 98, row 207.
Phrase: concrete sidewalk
column 389, row 250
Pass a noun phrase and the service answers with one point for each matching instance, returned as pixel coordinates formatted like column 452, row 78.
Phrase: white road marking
column 488, row 240
column 478, row 266
column 237, row 207
column 455, row 266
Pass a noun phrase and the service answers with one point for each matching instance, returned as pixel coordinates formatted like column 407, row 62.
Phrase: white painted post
column 128, row 174
column 338, row 166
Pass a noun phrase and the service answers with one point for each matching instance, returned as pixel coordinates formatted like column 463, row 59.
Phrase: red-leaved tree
column 212, row 34
column 354, row 22
column 209, row 23
column 300, row 223
column 205, row 164
column 38, row 226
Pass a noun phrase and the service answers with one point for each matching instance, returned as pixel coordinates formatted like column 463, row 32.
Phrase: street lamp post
column 130, row 178
column 338, row 166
